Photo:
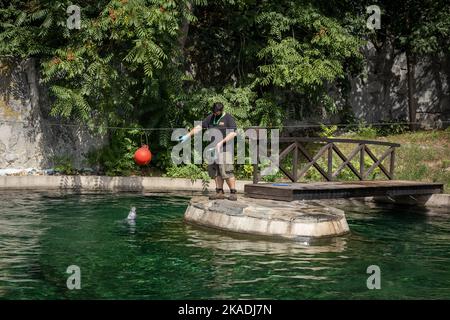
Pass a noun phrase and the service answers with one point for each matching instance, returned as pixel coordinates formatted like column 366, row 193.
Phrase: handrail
column 337, row 140
column 297, row 148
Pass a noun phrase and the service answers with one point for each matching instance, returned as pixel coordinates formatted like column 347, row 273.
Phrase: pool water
column 160, row 257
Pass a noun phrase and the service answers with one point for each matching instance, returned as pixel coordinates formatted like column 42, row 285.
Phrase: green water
column 160, row 257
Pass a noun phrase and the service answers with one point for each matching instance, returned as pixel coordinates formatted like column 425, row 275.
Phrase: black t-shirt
column 223, row 122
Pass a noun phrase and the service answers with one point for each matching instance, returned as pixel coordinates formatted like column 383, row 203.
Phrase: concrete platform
column 291, row 220
column 336, row 190
column 104, row 183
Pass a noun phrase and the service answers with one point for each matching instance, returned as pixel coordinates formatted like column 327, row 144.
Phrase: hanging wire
column 146, row 138
column 250, row 127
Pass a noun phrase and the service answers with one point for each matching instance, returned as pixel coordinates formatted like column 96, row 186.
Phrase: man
column 222, row 168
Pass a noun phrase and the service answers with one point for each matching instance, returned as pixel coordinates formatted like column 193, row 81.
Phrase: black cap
column 217, row 106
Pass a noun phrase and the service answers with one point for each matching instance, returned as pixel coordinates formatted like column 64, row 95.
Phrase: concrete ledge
column 437, row 200
column 105, row 183
column 280, row 219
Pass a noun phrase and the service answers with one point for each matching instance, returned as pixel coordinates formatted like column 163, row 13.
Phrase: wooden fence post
column 361, row 162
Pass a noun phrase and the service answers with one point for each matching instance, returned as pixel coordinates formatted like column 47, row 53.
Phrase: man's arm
column 190, row 134
column 196, row 129
column 230, row 124
column 229, row 137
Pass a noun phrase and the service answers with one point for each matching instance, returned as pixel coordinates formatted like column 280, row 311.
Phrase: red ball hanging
column 142, row 156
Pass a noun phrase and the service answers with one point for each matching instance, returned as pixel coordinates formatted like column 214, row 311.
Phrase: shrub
column 64, row 165
column 190, row 171
column 117, row 158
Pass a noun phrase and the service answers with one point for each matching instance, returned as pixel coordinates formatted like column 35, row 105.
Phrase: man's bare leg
column 219, row 194
column 219, row 182
column 231, row 182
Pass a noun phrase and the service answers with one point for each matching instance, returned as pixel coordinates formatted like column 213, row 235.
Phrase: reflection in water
column 19, row 244
column 242, row 261
column 131, row 225
column 248, row 245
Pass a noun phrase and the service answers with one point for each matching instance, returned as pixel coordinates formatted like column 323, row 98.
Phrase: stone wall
column 380, row 93
column 29, row 136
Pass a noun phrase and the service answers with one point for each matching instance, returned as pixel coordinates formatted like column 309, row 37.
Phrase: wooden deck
column 334, row 190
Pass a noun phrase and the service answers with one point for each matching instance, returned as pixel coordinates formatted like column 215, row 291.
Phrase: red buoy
column 142, row 156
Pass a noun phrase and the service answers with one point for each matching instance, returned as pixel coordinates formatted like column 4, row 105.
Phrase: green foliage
column 364, row 131
column 117, row 158
column 273, row 177
column 63, row 165
column 247, row 171
column 418, row 27
column 126, row 65
column 115, row 64
column 327, row 131
column 305, row 50
column 189, row 171
column 244, row 171
column 278, row 56
column 346, row 174
column 392, row 128
column 243, row 103
column 162, row 160
column 133, row 63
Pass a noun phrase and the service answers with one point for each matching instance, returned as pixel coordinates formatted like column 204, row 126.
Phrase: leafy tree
column 122, row 58
column 161, row 63
column 269, row 57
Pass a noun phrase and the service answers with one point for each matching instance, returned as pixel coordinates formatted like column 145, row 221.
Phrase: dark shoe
column 218, row 196
column 233, row 195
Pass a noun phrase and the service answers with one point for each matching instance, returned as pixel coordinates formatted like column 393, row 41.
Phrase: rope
column 251, row 127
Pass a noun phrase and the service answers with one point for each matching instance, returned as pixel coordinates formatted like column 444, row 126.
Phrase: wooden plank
column 312, row 161
column 255, row 173
column 362, row 148
column 286, row 151
column 337, row 140
column 335, row 190
column 256, row 176
column 295, row 163
column 392, row 164
column 282, row 155
column 378, row 162
column 346, row 160
column 371, row 155
column 362, row 192
column 286, row 173
column 255, row 191
column 361, row 161
column 342, row 156
column 330, row 162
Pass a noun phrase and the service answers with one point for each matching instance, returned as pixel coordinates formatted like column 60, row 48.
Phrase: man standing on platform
column 222, row 168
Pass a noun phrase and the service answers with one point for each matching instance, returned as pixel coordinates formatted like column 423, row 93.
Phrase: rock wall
column 380, row 93
column 29, row 136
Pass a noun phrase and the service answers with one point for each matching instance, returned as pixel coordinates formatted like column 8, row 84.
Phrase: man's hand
column 219, row 147
column 183, row 138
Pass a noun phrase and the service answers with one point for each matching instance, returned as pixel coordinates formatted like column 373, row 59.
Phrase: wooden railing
column 297, row 149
